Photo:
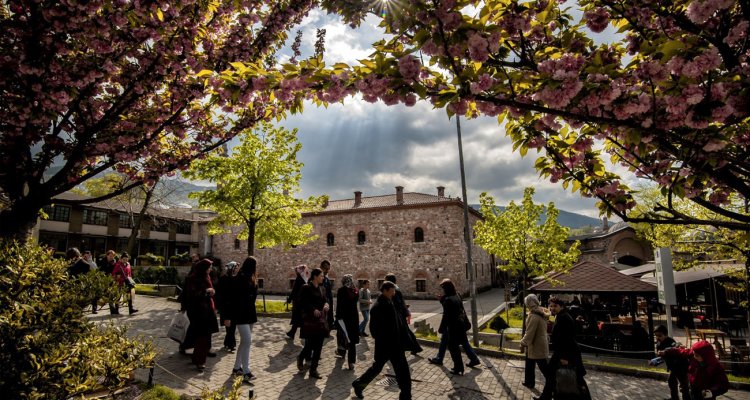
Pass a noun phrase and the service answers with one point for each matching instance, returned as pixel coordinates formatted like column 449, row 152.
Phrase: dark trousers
column 678, row 380
column 400, row 367
column 230, row 342
column 455, row 351
column 529, row 372
column 312, row 349
column 293, row 330
column 351, row 348
column 550, row 383
column 201, row 348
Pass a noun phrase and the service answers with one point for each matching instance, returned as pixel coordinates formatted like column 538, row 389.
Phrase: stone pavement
column 273, row 362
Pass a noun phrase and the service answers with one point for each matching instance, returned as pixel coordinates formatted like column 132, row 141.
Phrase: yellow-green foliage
column 48, row 349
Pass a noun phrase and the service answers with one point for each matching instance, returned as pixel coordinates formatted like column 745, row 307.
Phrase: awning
column 698, row 273
column 640, row 270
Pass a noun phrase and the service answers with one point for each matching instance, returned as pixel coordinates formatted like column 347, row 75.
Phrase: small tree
column 49, row 350
column 528, row 247
column 253, row 189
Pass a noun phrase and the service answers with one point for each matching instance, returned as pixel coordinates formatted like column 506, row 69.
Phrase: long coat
column 311, row 298
column 453, row 323
column 199, row 305
column 241, row 301
column 387, row 326
column 563, row 342
column 294, row 299
column 347, row 300
column 535, row 338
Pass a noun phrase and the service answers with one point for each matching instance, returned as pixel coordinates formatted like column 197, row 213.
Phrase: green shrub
column 150, row 259
column 162, row 275
column 48, row 349
column 180, row 259
column 159, row 392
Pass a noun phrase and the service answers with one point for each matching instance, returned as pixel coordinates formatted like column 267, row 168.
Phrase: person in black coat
column 325, row 266
column 315, row 327
column 199, row 303
column 400, row 304
column 347, row 299
column 223, row 302
column 389, row 330
column 565, row 351
column 241, row 313
column 453, row 324
column 301, row 279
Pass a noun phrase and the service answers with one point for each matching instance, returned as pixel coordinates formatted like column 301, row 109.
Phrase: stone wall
column 389, row 247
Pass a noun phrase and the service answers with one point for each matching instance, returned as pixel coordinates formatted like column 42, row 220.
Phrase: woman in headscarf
column 347, row 319
column 535, row 341
column 243, row 293
column 201, row 311
column 303, row 274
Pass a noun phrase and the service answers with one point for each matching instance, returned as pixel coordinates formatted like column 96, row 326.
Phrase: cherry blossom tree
column 132, row 86
column 665, row 100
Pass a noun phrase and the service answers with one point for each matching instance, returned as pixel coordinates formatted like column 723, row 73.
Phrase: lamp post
column 467, row 239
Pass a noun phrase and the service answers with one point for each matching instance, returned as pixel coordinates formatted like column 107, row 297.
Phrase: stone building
column 417, row 236
column 615, row 245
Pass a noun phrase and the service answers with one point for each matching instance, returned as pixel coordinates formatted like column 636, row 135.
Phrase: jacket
column 294, row 299
column 563, row 342
column 346, row 310
column 241, row 301
column 535, row 339
column 200, row 305
column 312, row 298
column 387, row 326
column 704, row 375
column 364, row 300
column 400, row 304
column 674, row 362
column 453, row 323
column 120, row 271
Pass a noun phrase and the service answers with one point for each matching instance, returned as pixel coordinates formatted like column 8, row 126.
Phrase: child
column 707, row 377
column 676, row 365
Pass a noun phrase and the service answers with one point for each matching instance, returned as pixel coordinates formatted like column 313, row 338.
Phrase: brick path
column 273, row 362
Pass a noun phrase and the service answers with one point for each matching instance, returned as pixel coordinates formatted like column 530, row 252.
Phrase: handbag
column 179, row 327
column 129, row 282
column 566, row 381
column 314, row 326
column 467, row 323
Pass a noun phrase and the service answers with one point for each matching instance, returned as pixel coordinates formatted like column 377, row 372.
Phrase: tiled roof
column 592, row 277
column 175, row 213
column 388, row 200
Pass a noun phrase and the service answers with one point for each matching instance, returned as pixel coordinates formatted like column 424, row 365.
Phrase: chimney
column 441, row 191
column 605, row 224
column 399, row 195
column 357, row 198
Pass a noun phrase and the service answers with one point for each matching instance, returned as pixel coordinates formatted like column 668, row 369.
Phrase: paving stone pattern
column 273, row 362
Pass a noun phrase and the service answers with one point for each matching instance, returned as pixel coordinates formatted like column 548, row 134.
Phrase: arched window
column 329, row 239
column 418, row 235
column 361, row 238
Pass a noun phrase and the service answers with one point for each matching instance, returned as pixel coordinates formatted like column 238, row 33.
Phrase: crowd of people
column 109, row 265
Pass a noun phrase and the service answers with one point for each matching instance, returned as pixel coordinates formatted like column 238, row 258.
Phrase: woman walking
column 201, row 311
column 241, row 307
column 347, row 299
column 223, row 300
column 365, row 301
column 454, row 324
column 315, row 325
column 535, row 341
column 123, row 274
column 303, row 274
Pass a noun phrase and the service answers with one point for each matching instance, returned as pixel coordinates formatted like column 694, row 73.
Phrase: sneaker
column 230, row 350
column 457, row 372
column 236, row 371
column 201, row 368
column 247, row 378
column 358, row 390
column 132, row 311
column 314, row 374
column 473, row 364
column 351, row 366
column 435, row 361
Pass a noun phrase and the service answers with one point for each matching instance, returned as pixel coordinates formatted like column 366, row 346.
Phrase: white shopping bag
column 179, row 326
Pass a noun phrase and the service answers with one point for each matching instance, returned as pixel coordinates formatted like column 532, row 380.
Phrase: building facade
column 102, row 226
column 419, row 237
column 615, row 245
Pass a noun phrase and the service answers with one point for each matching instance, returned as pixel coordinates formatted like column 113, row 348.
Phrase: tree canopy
column 517, row 237
column 665, row 100
column 255, row 187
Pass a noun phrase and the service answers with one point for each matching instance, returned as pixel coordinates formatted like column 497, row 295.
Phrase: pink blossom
column 409, row 67
column 737, row 33
column 485, row 82
column 699, row 11
column 597, row 19
column 714, row 145
column 478, row 50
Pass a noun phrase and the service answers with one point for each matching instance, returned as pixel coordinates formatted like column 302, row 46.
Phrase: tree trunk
column 747, row 287
column 251, row 237
column 135, row 231
column 18, row 222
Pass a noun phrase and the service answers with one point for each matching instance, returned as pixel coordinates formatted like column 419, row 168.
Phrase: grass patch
column 514, row 319
column 272, row 306
column 161, row 392
column 147, row 290
column 427, row 336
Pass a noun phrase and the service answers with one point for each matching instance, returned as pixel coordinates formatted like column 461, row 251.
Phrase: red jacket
column 120, row 271
column 707, row 374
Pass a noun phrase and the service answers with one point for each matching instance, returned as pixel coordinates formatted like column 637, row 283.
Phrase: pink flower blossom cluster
column 597, row 19
column 409, row 67
column 372, row 87
column 699, row 11
column 484, row 83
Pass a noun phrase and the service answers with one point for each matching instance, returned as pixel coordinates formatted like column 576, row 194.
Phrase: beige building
column 418, row 237
column 615, row 245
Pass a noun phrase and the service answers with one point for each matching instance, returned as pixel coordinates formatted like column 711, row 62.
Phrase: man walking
column 325, row 266
column 388, row 328
column 403, row 310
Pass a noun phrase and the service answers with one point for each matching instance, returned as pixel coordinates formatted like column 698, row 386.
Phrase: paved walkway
column 273, row 361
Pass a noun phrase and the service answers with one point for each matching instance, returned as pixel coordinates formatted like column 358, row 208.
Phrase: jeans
column 680, row 380
column 243, row 352
column 466, row 345
column 365, row 319
column 400, row 368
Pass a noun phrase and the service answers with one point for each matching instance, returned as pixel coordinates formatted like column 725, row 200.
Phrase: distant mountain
column 565, row 218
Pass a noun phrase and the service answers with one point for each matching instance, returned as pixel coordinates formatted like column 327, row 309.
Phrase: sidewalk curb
column 661, row 376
